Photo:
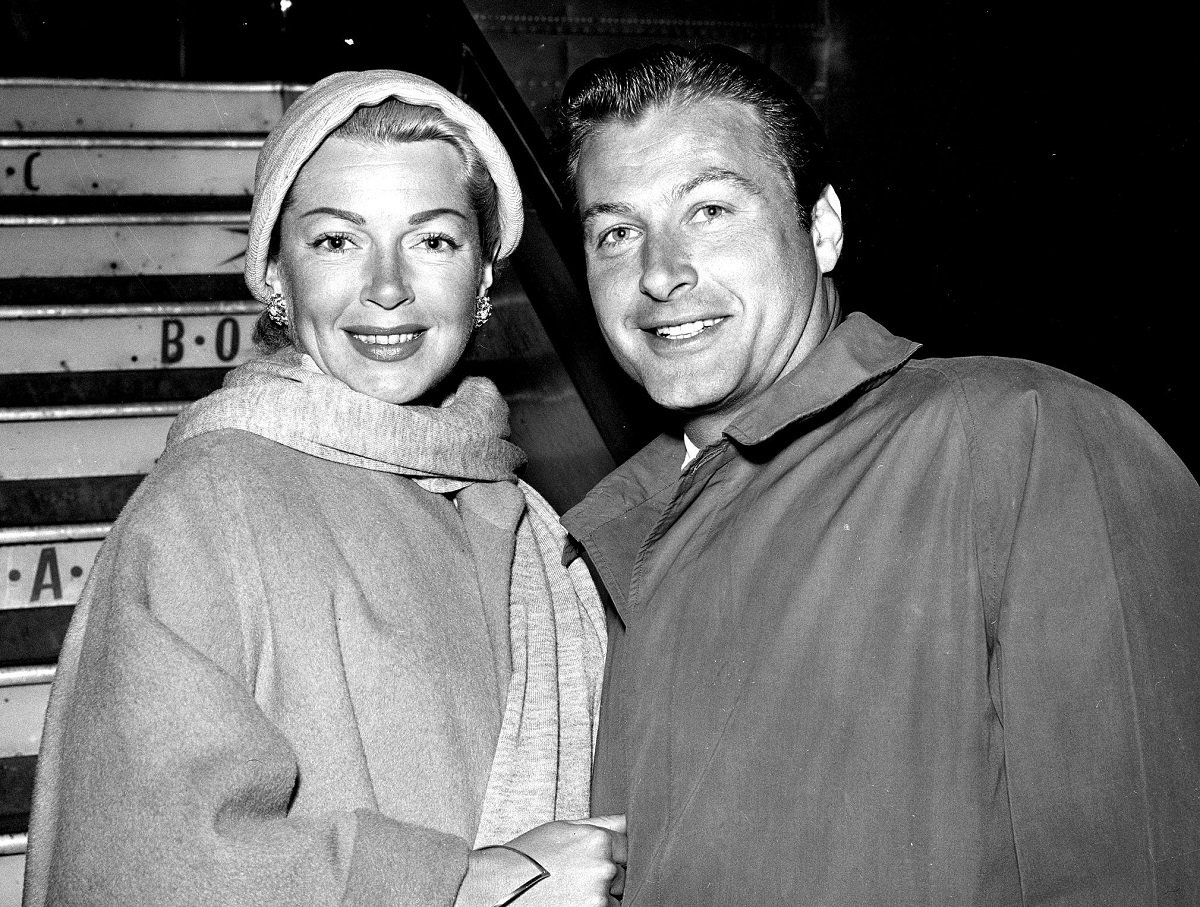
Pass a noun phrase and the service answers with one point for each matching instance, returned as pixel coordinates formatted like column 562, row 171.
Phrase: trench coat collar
column 856, row 353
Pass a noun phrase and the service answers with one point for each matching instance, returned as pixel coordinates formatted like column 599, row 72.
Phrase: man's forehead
column 693, row 109
column 678, row 191
column 699, row 116
column 678, row 147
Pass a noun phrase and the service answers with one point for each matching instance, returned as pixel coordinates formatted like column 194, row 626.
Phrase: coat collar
column 857, row 352
column 610, row 519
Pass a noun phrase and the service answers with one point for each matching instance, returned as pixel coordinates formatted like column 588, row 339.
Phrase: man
column 887, row 630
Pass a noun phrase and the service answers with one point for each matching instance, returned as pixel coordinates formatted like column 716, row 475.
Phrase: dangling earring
column 483, row 310
column 277, row 310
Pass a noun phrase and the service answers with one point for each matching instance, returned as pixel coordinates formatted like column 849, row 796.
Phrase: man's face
column 702, row 277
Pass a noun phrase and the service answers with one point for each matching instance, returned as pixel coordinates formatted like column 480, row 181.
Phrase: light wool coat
column 287, row 680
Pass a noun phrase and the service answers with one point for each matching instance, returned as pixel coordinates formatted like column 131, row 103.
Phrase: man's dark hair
column 623, row 87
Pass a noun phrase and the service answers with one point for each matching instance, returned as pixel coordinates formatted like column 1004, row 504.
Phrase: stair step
column 22, row 709
column 24, row 693
column 113, row 105
column 16, row 793
column 12, row 845
column 33, row 636
column 94, row 338
column 12, row 870
column 12, row 850
column 74, row 500
column 61, row 442
column 46, row 566
column 141, row 288
column 37, row 166
column 83, row 388
column 22, row 714
column 104, row 244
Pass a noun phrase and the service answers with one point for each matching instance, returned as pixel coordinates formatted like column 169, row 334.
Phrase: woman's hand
column 585, row 859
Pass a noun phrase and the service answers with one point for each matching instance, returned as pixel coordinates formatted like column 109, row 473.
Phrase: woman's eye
column 439, row 242
column 333, row 242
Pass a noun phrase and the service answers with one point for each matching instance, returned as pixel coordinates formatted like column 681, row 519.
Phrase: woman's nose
column 388, row 284
column 666, row 268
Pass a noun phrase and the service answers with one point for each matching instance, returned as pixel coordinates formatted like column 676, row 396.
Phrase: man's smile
column 686, row 330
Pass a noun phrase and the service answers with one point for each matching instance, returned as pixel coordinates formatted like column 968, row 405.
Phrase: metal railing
column 27, row 675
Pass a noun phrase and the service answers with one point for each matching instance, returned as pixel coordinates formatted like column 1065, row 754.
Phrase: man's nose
column 666, row 268
column 388, row 282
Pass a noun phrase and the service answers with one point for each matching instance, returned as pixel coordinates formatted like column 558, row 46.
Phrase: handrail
column 13, row 845
column 130, row 310
column 27, row 675
column 153, row 85
column 549, row 258
column 165, row 218
column 71, row 532
column 527, row 139
column 92, row 411
column 201, row 141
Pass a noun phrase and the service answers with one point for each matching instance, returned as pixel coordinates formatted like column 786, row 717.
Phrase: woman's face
column 379, row 261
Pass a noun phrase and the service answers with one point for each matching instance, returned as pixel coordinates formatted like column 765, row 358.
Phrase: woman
column 329, row 645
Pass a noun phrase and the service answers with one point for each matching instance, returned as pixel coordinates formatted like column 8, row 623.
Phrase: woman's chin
column 398, row 386
column 389, row 372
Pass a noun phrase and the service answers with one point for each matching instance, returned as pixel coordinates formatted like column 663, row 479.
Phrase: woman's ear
column 274, row 279
column 487, row 272
column 827, row 235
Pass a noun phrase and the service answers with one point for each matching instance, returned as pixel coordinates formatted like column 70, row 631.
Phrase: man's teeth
column 386, row 339
column 683, row 331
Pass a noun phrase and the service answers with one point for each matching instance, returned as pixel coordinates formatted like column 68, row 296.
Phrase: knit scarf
column 556, row 623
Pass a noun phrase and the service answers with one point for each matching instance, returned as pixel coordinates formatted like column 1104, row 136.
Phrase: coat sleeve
column 1089, row 543
column 161, row 781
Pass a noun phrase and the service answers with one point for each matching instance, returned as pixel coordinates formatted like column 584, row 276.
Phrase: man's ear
column 827, row 235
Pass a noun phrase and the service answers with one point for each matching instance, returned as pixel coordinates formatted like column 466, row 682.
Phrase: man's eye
column 615, row 236
column 709, row 212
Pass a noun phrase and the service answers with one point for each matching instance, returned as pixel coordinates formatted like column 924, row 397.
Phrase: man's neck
column 704, row 429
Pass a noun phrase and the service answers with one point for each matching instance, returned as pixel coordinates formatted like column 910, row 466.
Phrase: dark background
column 1016, row 179
column 1018, row 182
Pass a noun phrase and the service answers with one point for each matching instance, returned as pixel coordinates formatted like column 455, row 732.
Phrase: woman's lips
column 386, row 344
column 386, row 339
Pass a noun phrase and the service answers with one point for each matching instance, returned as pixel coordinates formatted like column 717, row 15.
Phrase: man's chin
column 686, row 400
column 685, row 388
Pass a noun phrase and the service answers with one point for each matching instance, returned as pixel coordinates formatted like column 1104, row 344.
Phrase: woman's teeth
column 386, row 339
column 683, row 331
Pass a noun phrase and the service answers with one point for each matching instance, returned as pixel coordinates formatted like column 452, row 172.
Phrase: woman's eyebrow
column 423, row 217
column 337, row 212
column 419, row 217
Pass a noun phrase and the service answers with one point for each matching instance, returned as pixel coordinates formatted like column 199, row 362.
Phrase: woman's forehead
column 396, row 172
